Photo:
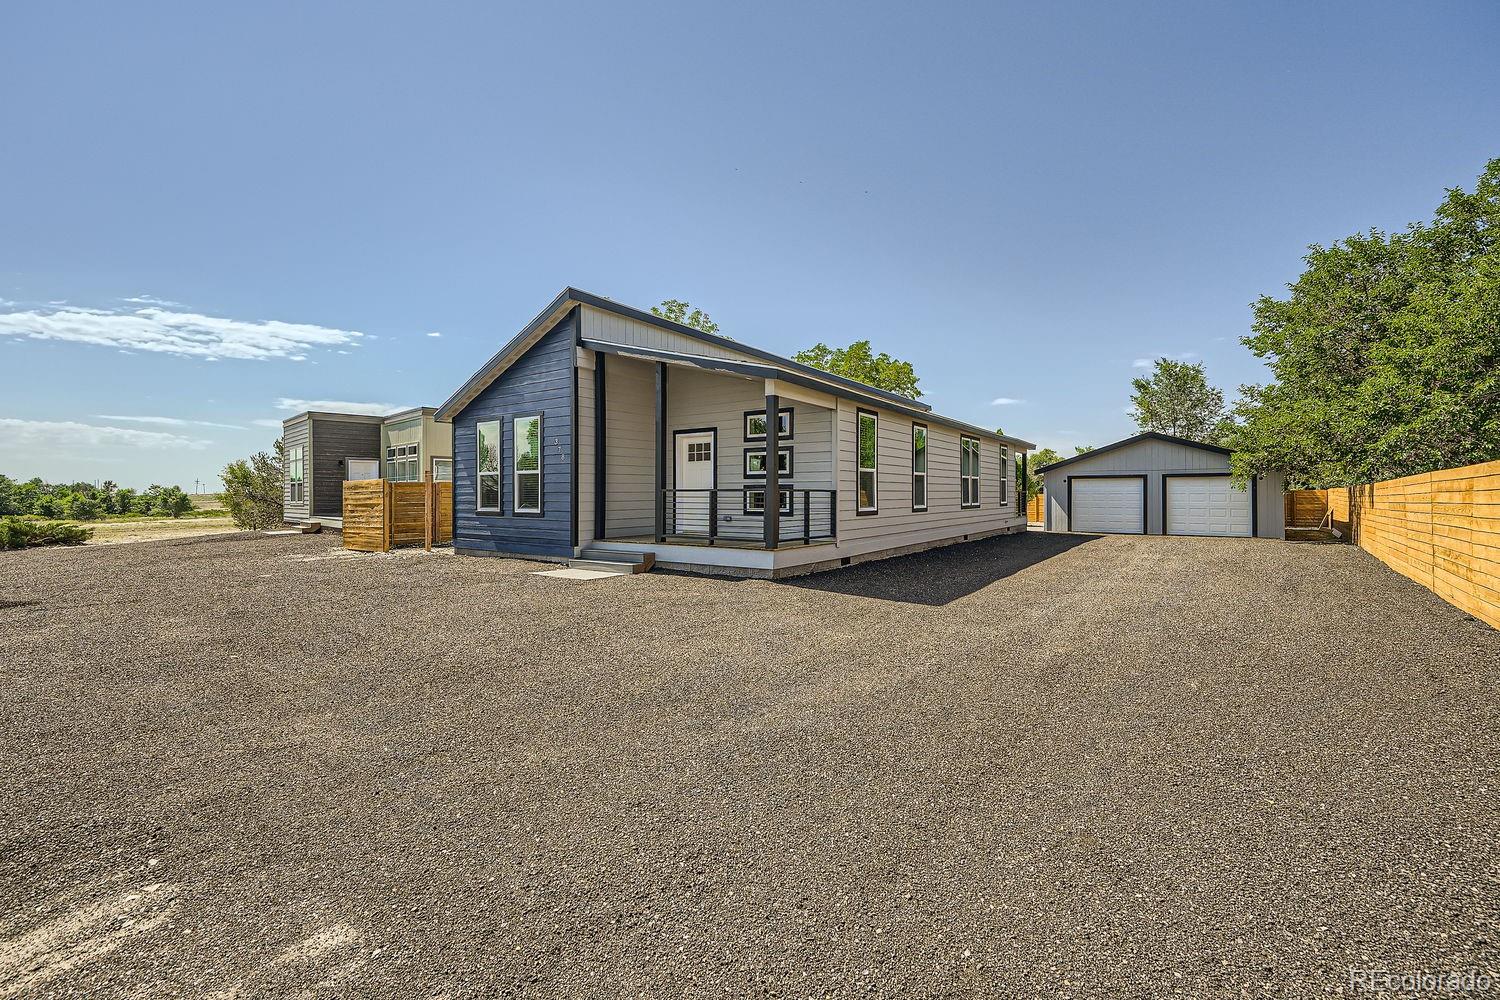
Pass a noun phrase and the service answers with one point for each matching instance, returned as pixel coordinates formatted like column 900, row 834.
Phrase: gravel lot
column 1032, row 765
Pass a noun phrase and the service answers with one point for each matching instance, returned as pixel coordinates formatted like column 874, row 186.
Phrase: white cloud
column 168, row 421
column 150, row 300
column 434, row 333
column 1151, row 361
column 54, row 434
column 164, row 331
column 1005, row 401
column 267, row 422
column 337, row 406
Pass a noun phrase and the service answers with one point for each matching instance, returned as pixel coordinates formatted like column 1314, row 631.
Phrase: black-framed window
column 755, row 501
column 755, row 462
column 487, row 466
column 526, row 472
column 1004, row 475
column 755, row 424
column 918, row 467
column 968, row 471
column 296, row 475
column 867, row 461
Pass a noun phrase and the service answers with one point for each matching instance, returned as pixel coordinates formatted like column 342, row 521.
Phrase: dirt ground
column 1041, row 765
column 116, row 532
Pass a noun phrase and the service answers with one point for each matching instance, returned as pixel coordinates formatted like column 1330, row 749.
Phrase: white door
column 1111, row 506
column 361, row 468
column 693, row 479
column 1206, row 505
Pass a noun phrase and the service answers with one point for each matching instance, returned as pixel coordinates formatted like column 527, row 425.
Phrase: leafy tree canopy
column 678, row 311
column 859, row 362
column 1178, row 400
column 253, row 489
column 1386, row 353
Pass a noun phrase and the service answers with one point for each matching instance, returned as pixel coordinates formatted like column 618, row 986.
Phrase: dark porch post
column 1025, row 498
column 661, row 451
column 773, row 471
column 599, row 459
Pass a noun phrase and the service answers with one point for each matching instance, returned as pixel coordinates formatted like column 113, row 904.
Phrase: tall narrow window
column 295, row 476
column 488, row 466
column 918, row 467
column 1004, row 475
column 528, row 465
column 868, row 459
column 968, row 471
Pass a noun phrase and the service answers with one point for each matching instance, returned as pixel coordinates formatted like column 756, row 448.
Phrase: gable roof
column 785, row 368
column 1147, row 436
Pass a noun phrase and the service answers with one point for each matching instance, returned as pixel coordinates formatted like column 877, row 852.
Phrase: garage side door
column 1207, row 505
column 1112, row 506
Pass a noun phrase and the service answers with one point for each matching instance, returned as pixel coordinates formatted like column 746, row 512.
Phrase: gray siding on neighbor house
column 294, row 434
column 540, row 381
column 1155, row 459
column 334, row 441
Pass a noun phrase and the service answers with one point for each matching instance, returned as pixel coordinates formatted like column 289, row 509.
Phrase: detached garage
column 1157, row 484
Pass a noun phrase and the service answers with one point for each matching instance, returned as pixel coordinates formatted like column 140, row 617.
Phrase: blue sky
column 214, row 212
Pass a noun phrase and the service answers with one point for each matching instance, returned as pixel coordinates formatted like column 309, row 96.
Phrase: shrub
column 253, row 491
column 20, row 532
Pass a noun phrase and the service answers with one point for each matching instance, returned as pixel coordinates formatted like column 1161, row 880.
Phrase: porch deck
column 721, row 542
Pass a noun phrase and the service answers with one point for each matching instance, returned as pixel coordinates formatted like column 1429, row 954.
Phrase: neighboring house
column 1160, row 485
column 603, row 431
column 416, row 447
column 324, row 449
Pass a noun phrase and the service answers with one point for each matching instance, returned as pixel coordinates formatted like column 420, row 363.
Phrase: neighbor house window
column 1004, row 475
column 755, row 462
column 402, row 462
column 755, row 425
column 868, row 425
column 488, row 465
column 442, row 470
column 755, row 501
column 528, row 464
column 968, row 471
column 295, row 476
column 918, row 467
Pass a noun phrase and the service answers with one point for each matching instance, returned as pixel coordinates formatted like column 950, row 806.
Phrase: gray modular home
column 602, row 430
column 323, row 449
column 1157, row 484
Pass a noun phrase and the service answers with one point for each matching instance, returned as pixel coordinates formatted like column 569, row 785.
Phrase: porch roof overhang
column 782, row 375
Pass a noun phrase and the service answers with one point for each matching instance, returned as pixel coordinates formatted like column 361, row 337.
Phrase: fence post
column 386, row 525
column 429, row 509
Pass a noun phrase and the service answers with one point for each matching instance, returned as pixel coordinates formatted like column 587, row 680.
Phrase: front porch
column 680, row 456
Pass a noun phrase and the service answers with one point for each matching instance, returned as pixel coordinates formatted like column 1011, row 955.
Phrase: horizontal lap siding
column 897, row 524
column 541, row 381
column 333, row 443
column 629, row 446
column 585, row 425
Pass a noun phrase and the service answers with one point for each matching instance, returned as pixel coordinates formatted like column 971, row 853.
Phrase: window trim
column 969, row 443
column 860, row 470
column 499, row 473
column 787, row 451
column 433, row 465
column 786, row 511
column 515, row 473
column 1005, row 469
column 296, row 483
column 927, row 458
column 780, row 411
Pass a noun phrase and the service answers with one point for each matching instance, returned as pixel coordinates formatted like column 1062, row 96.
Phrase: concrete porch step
column 620, row 562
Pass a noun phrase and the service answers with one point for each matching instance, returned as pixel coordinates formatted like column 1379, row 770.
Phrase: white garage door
column 1108, row 505
column 1206, row 505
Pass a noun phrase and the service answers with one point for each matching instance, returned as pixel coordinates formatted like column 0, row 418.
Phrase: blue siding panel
column 541, row 381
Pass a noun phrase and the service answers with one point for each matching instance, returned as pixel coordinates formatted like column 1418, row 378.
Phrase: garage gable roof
column 1147, row 436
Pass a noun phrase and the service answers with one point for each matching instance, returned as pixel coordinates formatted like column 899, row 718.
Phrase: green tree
column 253, row 489
column 859, row 362
column 1386, row 353
column 678, row 312
column 1034, row 477
column 1178, row 400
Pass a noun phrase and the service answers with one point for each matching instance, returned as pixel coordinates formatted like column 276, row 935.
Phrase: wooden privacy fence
column 1441, row 529
column 380, row 515
column 1036, row 510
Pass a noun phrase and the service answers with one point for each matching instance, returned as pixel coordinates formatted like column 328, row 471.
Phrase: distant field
column 206, row 501
column 152, row 529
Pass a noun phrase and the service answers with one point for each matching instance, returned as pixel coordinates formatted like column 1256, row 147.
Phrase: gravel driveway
column 1041, row 764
